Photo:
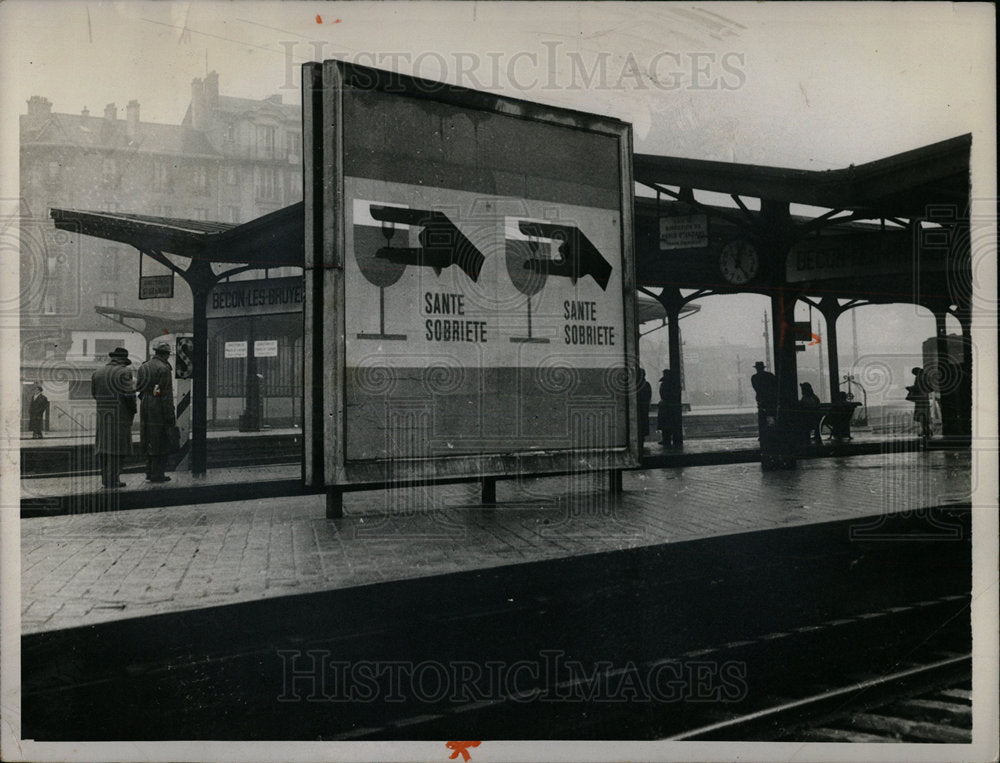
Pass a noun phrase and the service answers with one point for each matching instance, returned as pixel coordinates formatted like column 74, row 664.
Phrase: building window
column 55, row 170
column 163, row 210
column 161, row 176
column 233, row 214
column 109, row 206
column 109, row 171
column 295, row 185
column 230, row 175
column 231, row 132
column 200, row 213
column 294, row 146
column 267, row 183
column 265, row 142
column 199, row 177
column 109, row 299
column 102, row 347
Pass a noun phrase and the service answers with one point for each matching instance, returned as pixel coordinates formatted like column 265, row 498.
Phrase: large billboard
column 469, row 283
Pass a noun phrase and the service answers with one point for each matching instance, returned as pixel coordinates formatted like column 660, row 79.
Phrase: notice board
column 469, row 283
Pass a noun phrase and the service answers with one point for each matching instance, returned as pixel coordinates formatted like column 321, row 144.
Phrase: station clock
column 739, row 262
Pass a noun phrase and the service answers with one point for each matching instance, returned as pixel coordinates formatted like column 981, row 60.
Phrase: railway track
column 921, row 704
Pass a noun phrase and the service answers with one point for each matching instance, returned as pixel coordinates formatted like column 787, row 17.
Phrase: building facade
column 229, row 160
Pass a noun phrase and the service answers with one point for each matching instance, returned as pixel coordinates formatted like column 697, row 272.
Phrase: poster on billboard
column 469, row 281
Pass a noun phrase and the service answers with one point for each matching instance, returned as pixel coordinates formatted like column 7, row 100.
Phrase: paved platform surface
column 90, row 568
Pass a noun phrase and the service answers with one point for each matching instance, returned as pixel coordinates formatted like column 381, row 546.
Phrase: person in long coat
column 156, row 411
column 645, row 397
column 112, row 388
column 37, row 409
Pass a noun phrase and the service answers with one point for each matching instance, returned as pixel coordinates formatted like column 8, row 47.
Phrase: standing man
column 919, row 393
column 112, row 388
column 156, row 411
column 668, row 413
column 645, row 397
column 37, row 409
column 765, row 385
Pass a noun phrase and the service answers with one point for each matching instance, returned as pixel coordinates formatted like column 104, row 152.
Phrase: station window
column 233, row 214
column 230, row 174
column 55, row 170
column 109, row 299
column 200, row 213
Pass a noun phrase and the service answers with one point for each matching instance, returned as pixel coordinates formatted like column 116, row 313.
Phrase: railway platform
column 89, row 568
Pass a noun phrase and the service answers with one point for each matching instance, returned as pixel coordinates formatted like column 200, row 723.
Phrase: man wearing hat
column 111, row 386
column 156, row 411
column 37, row 409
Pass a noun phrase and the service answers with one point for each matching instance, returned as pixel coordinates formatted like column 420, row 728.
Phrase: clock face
column 739, row 262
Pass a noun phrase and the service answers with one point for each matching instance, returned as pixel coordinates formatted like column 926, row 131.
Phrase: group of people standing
column 113, row 390
column 668, row 412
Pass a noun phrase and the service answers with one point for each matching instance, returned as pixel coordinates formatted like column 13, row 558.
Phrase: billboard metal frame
column 324, row 463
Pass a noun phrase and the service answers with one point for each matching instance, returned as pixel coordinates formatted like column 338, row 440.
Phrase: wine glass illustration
column 378, row 271
column 527, row 271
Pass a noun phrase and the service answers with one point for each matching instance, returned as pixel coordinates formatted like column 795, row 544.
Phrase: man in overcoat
column 112, row 388
column 156, row 411
column 37, row 409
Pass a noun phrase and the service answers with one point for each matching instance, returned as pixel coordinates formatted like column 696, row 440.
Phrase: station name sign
column 471, row 258
column 866, row 254
column 257, row 297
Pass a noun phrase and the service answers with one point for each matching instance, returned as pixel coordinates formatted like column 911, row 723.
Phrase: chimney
column 85, row 114
column 199, row 110
column 132, row 119
column 110, row 112
column 212, row 90
column 39, row 111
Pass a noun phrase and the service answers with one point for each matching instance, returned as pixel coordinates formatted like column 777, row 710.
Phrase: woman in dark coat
column 111, row 387
column 156, row 412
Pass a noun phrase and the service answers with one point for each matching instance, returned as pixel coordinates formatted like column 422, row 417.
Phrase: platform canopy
column 273, row 240
column 913, row 184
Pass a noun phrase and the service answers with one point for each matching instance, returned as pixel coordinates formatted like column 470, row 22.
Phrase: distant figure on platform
column 808, row 406
column 840, row 416
column 918, row 393
column 645, row 395
column 668, row 413
column 156, row 411
column 112, row 388
column 765, row 386
column 37, row 408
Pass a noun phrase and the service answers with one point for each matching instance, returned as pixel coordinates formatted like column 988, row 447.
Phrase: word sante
column 316, row 676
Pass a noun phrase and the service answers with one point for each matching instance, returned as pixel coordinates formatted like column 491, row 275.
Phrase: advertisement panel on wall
column 469, row 282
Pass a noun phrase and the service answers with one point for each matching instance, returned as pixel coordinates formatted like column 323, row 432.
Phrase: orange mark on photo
column 319, row 19
column 460, row 748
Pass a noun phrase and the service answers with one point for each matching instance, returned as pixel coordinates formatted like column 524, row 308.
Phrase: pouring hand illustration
column 442, row 244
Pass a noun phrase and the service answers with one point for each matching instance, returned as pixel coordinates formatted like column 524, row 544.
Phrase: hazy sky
column 811, row 85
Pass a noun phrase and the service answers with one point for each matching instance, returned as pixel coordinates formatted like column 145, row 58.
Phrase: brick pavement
column 89, row 568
